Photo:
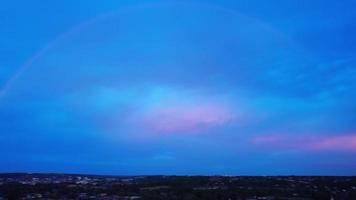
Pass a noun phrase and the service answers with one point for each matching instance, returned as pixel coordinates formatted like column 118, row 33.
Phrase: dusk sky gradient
column 223, row 87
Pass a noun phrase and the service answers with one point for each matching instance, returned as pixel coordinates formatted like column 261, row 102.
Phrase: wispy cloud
column 186, row 118
column 171, row 110
column 345, row 143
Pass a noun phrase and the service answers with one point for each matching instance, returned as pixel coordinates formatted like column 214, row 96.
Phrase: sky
column 226, row 87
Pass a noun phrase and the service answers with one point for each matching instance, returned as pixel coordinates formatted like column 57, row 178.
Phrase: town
column 72, row 186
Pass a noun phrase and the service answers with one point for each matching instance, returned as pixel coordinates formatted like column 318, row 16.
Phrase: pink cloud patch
column 347, row 143
column 307, row 143
column 186, row 118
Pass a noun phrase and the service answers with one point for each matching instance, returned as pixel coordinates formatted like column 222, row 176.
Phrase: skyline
column 186, row 88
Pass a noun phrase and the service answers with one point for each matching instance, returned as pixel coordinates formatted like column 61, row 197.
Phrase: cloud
column 186, row 118
column 166, row 110
column 344, row 143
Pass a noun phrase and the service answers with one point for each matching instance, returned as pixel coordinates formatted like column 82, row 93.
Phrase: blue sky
column 178, row 87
